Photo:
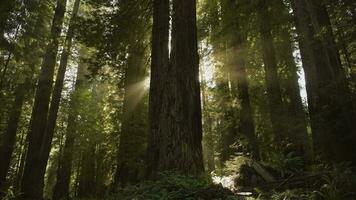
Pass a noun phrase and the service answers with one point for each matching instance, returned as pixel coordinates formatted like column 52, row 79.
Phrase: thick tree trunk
column 61, row 189
column 329, row 101
column 31, row 186
column 133, row 137
column 56, row 97
column 177, row 133
column 272, row 80
column 159, row 69
column 183, row 150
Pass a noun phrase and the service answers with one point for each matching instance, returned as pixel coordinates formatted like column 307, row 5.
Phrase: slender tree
column 237, row 47
column 272, row 80
column 61, row 189
column 9, row 138
column 31, row 186
column 56, row 96
column 329, row 101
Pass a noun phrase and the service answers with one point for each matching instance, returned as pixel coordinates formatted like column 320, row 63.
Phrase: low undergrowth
column 175, row 187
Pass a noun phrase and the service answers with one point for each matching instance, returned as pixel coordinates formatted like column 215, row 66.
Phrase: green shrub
column 172, row 186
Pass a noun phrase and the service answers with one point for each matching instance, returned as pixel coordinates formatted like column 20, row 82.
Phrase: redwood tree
column 177, row 133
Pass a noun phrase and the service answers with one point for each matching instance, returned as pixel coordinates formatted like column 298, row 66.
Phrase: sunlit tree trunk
column 133, row 137
column 298, row 123
column 238, row 69
column 329, row 101
column 56, row 96
column 61, row 189
column 31, row 186
column 208, row 136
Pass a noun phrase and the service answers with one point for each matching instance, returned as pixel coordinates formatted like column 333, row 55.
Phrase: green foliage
column 285, row 164
column 340, row 183
column 172, row 186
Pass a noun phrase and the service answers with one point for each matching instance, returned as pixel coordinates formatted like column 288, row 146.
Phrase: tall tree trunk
column 208, row 146
column 133, row 137
column 87, row 172
column 177, row 132
column 61, row 189
column 272, row 80
column 56, row 97
column 183, row 148
column 238, row 40
column 329, row 100
column 298, row 123
column 31, row 186
column 9, row 138
column 159, row 69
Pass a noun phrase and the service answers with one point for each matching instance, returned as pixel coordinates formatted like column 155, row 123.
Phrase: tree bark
column 61, row 189
column 183, row 150
column 159, row 69
column 31, row 187
column 297, row 124
column 329, row 102
column 56, row 96
column 272, row 80
column 177, row 134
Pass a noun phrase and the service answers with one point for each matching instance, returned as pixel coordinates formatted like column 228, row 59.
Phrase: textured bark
column 56, row 97
column 177, row 133
column 271, row 75
column 61, row 189
column 330, row 106
column 133, row 137
column 31, row 187
column 183, row 149
column 159, row 69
